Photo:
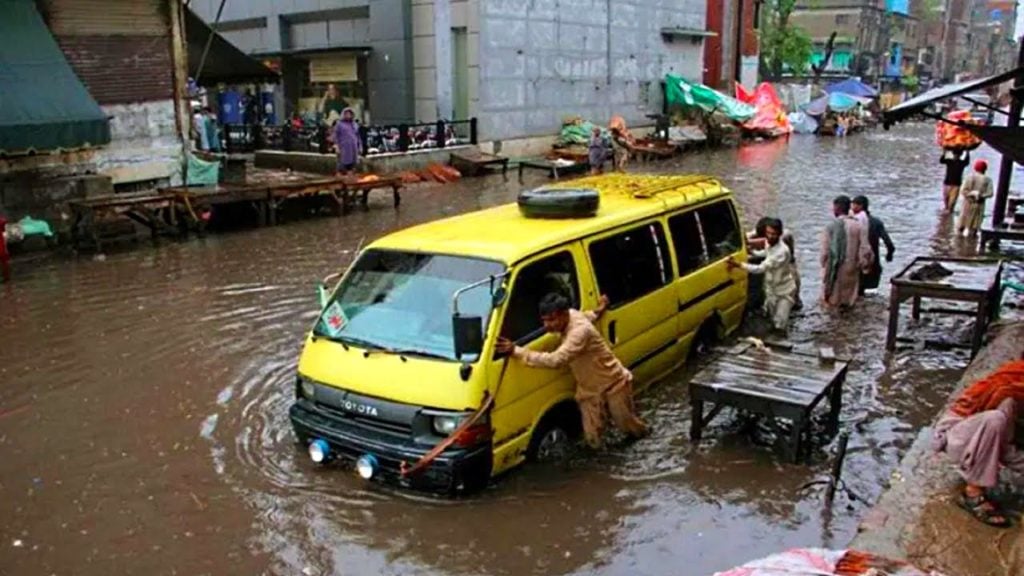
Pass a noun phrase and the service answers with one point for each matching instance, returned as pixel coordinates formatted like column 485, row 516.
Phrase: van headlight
column 306, row 389
column 445, row 425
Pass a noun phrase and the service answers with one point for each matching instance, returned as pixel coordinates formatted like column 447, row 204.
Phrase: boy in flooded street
column 603, row 385
column 597, row 152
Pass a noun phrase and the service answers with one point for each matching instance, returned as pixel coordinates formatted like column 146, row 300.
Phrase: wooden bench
column 474, row 162
column 974, row 280
column 777, row 383
column 553, row 169
column 991, row 237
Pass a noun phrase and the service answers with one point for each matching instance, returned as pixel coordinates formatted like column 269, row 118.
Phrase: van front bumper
column 455, row 470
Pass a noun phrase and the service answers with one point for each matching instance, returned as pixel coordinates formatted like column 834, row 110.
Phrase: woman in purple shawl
column 347, row 142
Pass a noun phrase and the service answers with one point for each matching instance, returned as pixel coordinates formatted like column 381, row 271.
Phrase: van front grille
column 375, row 424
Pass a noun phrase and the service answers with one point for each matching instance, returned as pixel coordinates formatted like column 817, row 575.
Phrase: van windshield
column 402, row 301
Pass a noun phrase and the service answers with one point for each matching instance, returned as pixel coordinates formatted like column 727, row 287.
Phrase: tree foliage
column 783, row 45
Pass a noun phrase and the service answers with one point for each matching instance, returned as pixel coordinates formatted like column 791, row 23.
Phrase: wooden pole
column 837, row 469
column 1006, row 165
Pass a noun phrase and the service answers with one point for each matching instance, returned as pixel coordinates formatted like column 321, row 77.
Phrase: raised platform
column 389, row 163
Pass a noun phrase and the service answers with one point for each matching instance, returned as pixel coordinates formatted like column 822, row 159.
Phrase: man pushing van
column 603, row 385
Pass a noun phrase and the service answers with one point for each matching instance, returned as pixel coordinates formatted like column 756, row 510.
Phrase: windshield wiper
column 417, row 352
column 375, row 347
column 354, row 341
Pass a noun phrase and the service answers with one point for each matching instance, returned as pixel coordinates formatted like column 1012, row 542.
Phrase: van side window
column 721, row 231
column 688, row 242
column 631, row 264
column 555, row 273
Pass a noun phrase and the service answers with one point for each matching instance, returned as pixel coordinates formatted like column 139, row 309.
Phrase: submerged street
column 144, row 398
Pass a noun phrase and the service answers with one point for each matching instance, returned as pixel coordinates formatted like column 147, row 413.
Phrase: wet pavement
column 144, row 428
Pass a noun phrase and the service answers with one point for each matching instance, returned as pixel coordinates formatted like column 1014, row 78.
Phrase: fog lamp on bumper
column 366, row 466
column 319, row 451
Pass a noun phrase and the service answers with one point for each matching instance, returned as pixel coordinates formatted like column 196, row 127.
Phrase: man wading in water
column 603, row 385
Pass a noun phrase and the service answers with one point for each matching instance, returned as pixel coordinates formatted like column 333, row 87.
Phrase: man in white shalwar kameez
column 779, row 284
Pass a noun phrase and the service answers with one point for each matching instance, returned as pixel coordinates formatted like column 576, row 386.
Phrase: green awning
column 43, row 105
column 679, row 92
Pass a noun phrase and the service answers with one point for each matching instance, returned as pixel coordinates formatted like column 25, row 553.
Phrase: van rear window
column 721, row 230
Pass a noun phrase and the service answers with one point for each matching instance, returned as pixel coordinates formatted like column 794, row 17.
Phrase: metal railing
column 376, row 139
column 383, row 139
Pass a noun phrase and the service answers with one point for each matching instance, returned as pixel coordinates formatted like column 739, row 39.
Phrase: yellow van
column 403, row 350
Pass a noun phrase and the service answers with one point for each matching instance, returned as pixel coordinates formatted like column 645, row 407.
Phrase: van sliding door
column 633, row 267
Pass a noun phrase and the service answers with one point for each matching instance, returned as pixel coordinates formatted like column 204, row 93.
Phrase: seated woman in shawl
column 977, row 433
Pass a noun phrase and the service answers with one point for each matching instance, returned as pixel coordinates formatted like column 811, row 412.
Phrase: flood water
column 144, row 428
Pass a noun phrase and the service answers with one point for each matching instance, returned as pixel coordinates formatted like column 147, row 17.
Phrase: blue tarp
column 853, row 87
column 836, row 102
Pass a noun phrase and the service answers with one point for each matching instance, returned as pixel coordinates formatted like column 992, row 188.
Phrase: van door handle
column 611, row 331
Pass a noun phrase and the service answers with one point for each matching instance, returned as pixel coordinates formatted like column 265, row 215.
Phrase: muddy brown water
column 144, row 429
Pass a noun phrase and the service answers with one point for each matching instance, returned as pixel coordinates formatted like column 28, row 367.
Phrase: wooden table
column 472, row 162
column 153, row 210
column 776, row 383
column 554, row 170
column 974, row 280
column 267, row 190
column 990, row 237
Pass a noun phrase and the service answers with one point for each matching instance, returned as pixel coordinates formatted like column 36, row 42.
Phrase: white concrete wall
column 464, row 14
column 143, row 143
column 541, row 60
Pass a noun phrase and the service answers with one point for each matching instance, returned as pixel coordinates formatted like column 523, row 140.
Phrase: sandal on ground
column 984, row 511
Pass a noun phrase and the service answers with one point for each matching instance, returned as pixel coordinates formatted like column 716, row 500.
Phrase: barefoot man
column 603, row 385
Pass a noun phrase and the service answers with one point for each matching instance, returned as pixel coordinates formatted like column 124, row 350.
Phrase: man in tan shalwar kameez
column 603, row 385
column 845, row 252
column 977, row 187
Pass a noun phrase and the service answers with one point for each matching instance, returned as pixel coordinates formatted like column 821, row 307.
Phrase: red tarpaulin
column 770, row 118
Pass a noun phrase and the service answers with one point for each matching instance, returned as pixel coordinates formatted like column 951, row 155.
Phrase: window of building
column 720, row 228
column 631, row 264
column 688, row 242
column 555, row 273
column 843, row 19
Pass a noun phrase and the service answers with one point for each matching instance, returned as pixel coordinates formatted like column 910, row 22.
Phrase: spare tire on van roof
column 559, row 202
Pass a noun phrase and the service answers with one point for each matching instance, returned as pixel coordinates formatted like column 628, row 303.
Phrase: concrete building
column 874, row 38
column 990, row 38
column 727, row 61
column 122, row 51
column 362, row 46
column 122, row 59
column 519, row 66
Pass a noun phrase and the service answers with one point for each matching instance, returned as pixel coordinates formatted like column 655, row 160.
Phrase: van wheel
column 553, row 438
column 705, row 340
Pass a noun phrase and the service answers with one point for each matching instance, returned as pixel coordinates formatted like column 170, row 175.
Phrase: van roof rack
column 637, row 185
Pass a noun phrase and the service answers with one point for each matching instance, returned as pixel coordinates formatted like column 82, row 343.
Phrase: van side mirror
column 468, row 332
column 498, row 298
column 321, row 292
